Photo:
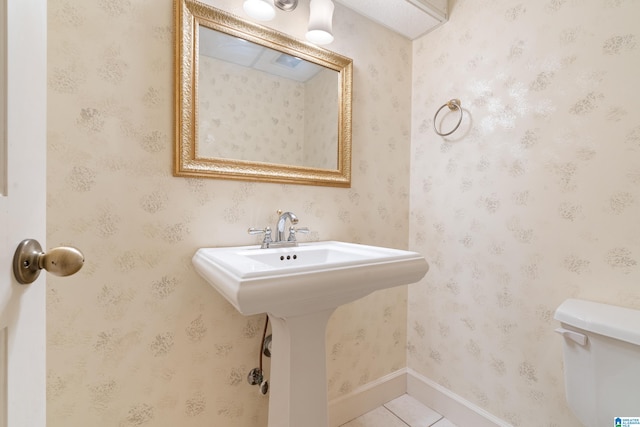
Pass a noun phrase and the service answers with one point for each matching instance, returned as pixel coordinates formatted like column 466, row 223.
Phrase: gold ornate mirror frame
column 190, row 15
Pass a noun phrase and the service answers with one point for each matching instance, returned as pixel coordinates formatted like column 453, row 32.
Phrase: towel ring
column 453, row 105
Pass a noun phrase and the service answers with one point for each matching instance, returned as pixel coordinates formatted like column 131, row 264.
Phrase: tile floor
column 401, row 412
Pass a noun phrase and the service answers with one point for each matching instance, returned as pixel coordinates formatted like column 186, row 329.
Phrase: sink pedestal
column 298, row 385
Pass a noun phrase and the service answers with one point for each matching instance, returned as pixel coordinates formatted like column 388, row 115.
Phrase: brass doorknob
column 29, row 259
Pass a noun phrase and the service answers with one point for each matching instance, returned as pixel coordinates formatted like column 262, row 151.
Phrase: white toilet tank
column 601, row 350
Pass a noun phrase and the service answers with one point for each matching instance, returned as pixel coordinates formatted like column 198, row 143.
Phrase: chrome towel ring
column 453, row 105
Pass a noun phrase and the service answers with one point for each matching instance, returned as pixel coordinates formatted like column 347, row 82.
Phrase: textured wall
column 137, row 338
column 536, row 198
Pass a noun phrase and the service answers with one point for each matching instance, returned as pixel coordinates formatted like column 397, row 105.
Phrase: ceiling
column 215, row 44
column 410, row 18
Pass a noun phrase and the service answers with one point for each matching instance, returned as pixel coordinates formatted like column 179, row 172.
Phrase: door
column 23, row 123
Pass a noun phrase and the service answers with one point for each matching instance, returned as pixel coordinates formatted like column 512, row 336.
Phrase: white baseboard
column 453, row 407
column 367, row 397
column 442, row 400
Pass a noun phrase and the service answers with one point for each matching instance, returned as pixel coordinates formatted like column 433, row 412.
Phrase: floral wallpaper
column 137, row 338
column 534, row 199
column 265, row 117
column 262, row 117
column 321, row 117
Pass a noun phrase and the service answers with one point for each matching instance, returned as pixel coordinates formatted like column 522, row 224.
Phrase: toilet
column 601, row 349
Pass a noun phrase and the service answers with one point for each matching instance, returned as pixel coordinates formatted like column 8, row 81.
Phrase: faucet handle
column 253, row 230
column 267, row 235
column 294, row 230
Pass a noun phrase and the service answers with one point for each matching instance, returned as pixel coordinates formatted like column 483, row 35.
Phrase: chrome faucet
column 282, row 221
column 279, row 241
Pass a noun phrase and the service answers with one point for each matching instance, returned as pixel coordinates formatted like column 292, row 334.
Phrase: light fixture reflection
column 320, row 22
column 260, row 10
column 286, row 5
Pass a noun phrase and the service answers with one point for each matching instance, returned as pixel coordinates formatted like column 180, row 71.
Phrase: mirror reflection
column 276, row 108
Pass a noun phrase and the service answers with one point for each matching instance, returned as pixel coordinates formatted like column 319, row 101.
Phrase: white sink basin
column 307, row 278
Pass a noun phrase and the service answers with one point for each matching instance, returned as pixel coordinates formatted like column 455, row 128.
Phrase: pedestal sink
column 299, row 288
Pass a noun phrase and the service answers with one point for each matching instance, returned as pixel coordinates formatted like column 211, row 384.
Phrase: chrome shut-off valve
column 256, row 377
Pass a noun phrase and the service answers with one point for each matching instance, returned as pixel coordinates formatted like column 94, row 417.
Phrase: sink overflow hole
column 288, row 257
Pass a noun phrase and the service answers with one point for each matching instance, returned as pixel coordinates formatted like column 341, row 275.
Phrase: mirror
column 255, row 104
